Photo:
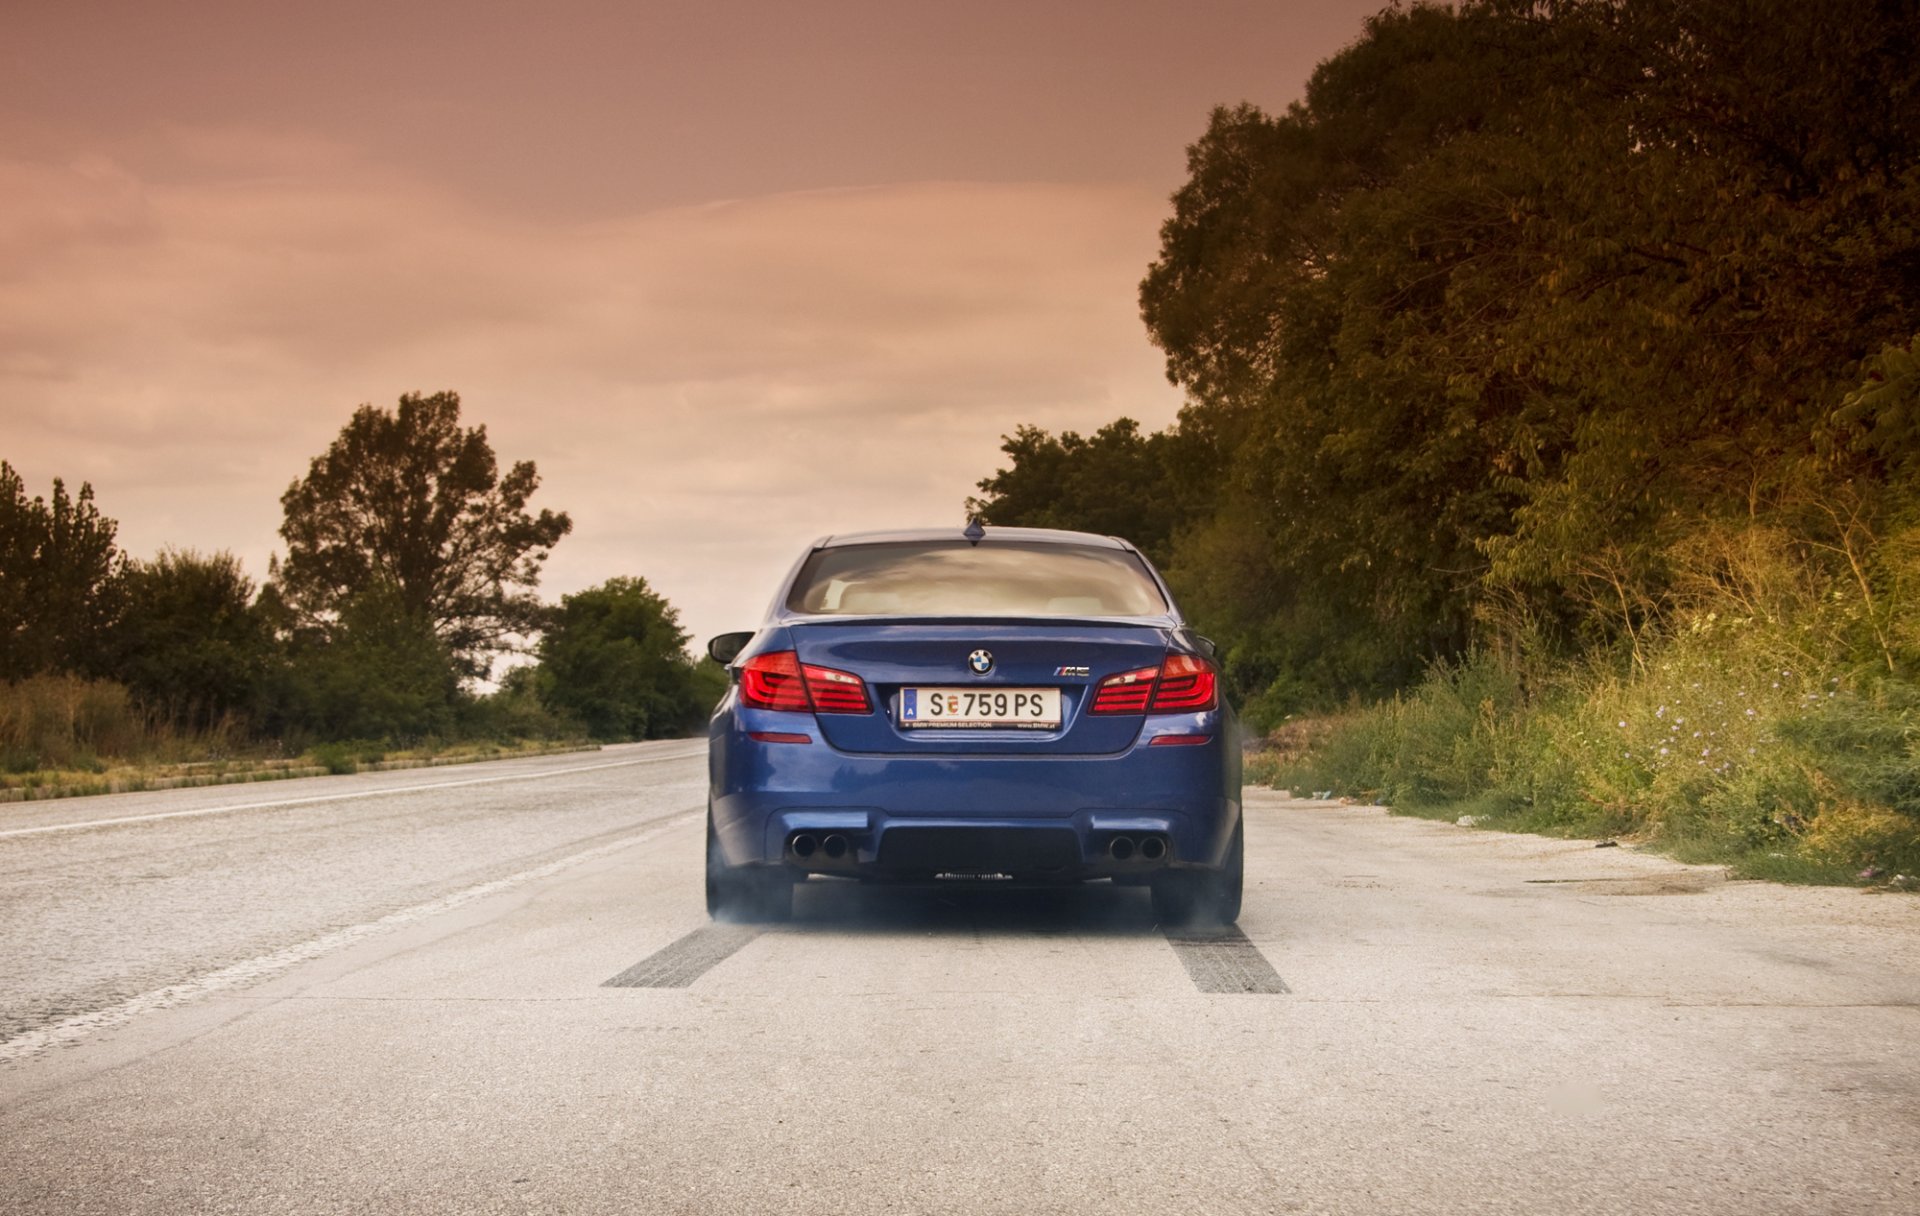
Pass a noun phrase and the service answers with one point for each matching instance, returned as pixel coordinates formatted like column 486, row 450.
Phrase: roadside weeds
column 38, row 786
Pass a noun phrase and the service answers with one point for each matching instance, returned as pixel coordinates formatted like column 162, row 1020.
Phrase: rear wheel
column 744, row 894
column 1203, row 898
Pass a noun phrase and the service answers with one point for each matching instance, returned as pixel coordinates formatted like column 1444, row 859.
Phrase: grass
column 65, row 736
column 1496, row 811
column 122, row 778
column 1750, row 745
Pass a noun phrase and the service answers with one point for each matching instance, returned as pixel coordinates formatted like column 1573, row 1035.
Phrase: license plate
column 981, row 708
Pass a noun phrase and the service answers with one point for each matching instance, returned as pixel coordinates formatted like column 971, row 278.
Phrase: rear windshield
column 953, row 578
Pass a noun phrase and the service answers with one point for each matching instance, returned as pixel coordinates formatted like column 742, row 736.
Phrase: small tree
column 59, row 580
column 190, row 643
column 1116, row 481
column 410, row 500
column 614, row 658
column 380, row 674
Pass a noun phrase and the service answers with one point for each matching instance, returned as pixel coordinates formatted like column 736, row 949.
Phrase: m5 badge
column 1072, row 671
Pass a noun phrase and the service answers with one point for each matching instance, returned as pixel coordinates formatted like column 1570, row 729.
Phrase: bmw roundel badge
column 981, row 662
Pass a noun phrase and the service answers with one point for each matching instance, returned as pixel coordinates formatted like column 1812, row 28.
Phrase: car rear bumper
column 813, row 809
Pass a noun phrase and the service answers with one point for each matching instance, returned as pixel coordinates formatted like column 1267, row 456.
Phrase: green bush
column 614, row 660
column 337, row 758
column 515, row 711
column 380, row 672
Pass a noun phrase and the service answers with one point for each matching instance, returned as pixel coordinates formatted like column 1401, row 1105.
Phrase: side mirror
column 727, row 647
column 1206, row 646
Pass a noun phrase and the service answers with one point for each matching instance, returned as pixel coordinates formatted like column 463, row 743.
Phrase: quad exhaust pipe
column 834, row 846
column 1151, row 847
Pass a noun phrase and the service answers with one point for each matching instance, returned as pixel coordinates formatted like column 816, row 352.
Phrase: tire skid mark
column 1225, row 961
column 684, row 960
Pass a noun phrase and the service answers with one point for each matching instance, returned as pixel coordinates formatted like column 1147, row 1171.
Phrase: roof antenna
column 974, row 533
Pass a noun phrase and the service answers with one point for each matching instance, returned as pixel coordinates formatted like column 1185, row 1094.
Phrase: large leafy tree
column 1353, row 481
column 60, row 580
column 1521, row 296
column 1523, row 290
column 409, row 502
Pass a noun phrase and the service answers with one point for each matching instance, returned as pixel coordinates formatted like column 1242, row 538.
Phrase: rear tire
column 744, row 894
column 1200, row 899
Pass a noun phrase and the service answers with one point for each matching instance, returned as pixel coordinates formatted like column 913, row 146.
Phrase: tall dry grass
column 1768, row 716
column 64, row 721
column 70, row 723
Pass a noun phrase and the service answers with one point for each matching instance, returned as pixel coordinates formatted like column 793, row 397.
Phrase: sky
column 733, row 275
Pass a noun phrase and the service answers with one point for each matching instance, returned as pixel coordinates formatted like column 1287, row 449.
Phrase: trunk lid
column 895, row 654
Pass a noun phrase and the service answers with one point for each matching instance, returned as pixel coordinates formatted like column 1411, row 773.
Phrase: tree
column 409, row 500
column 614, row 658
column 1297, row 273
column 190, row 643
column 1117, row 482
column 1521, row 296
column 1523, row 292
column 60, row 575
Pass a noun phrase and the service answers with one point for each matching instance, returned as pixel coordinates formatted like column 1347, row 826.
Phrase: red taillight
column 772, row 681
column 775, row 681
column 1126, row 693
column 836, row 692
column 1184, row 684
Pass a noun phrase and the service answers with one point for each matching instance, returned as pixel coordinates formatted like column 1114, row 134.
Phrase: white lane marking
column 396, row 789
column 72, row 1029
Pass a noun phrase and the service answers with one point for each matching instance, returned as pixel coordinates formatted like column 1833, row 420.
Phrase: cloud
column 704, row 388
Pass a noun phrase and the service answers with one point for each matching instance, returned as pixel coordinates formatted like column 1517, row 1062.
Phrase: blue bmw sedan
column 999, row 705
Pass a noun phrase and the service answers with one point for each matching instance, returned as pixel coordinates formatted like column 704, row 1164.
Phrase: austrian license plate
column 981, row 708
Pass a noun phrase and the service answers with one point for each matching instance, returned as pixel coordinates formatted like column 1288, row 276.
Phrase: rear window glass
column 953, row 578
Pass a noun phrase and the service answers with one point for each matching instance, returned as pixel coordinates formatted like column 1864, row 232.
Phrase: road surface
column 492, row 988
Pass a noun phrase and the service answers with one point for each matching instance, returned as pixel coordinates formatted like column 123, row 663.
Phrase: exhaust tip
column 804, row 845
column 1120, row 848
column 1153, row 848
column 834, row 846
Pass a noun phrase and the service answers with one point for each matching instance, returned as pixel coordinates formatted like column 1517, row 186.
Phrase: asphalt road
column 493, row 988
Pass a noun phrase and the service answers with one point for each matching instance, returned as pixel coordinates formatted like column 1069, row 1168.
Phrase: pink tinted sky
column 733, row 275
